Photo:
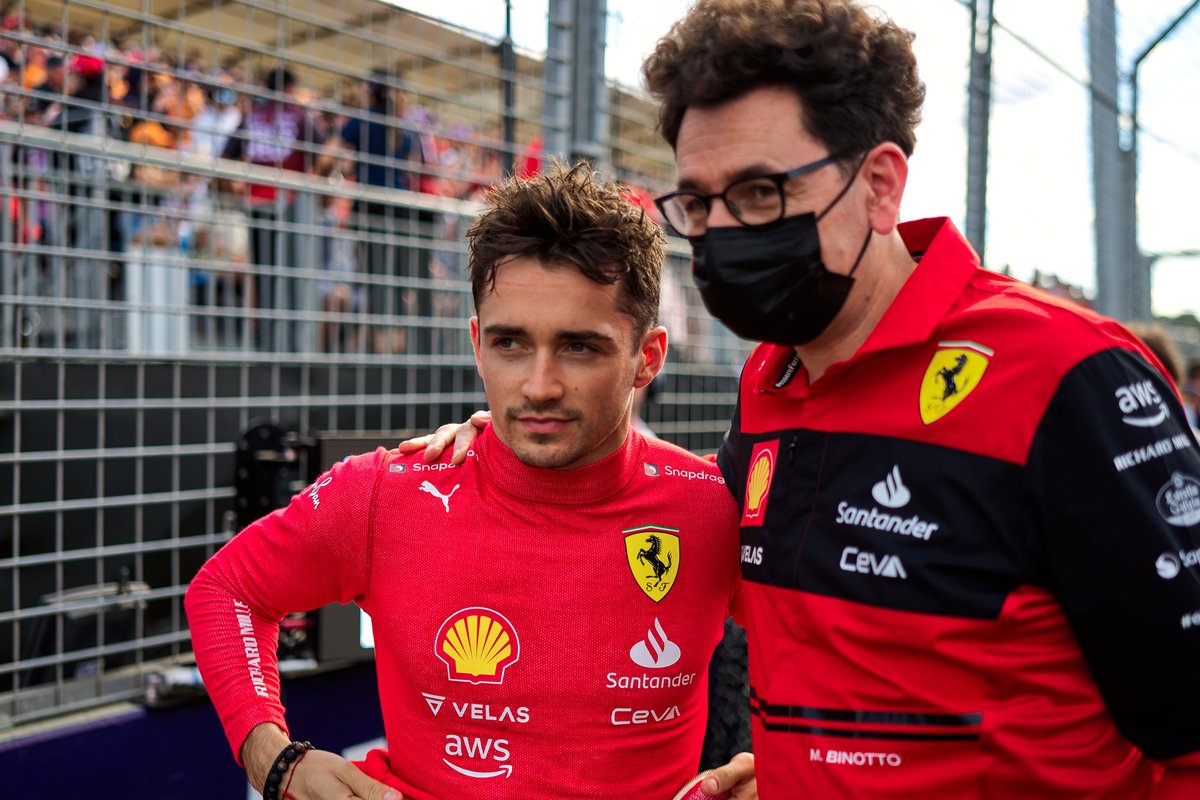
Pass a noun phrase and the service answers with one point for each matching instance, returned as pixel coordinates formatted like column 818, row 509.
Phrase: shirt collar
column 591, row 484
column 945, row 264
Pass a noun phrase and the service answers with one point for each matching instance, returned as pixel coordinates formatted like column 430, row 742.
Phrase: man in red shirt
column 543, row 614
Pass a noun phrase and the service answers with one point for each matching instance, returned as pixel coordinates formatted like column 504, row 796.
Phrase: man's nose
column 543, row 383
column 719, row 215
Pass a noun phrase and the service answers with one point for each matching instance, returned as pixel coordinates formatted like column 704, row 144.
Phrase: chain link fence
column 222, row 213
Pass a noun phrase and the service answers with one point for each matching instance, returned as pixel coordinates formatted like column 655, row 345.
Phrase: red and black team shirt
column 970, row 553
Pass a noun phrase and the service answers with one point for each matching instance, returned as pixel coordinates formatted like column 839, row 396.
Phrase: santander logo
column 891, row 491
column 656, row 651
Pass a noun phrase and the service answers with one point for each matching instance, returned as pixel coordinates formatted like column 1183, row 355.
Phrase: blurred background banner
column 232, row 251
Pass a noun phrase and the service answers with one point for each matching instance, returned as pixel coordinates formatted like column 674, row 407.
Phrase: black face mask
column 768, row 284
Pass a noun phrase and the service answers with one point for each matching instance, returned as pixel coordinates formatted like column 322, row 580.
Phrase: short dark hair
column 280, row 79
column 855, row 74
column 571, row 215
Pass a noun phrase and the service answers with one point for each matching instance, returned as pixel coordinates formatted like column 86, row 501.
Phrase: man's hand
column 736, row 777
column 327, row 776
column 319, row 775
column 461, row 435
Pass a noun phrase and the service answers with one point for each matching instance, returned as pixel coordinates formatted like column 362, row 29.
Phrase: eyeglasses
column 753, row 201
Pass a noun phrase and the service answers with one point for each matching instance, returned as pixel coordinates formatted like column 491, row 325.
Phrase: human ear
column 886, row 171
column 652, row 354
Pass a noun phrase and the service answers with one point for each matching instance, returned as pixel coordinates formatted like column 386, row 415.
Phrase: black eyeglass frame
column 777, row 178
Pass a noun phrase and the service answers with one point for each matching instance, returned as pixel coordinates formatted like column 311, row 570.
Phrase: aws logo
column 952, row 374
column 477, row 645
column 1141, row 405
column 758, row 483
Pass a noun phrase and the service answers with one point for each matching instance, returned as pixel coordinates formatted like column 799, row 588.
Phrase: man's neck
column 874, row 291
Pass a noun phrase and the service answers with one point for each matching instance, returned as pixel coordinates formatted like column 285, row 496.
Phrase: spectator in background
column 384, row 153
column 277, row 131
column 341, row 292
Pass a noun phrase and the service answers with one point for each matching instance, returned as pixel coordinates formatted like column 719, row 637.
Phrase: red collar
column 946, row 263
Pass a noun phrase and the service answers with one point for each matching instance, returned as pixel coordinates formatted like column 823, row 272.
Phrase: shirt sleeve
column 314, row 551
column 1117, row 474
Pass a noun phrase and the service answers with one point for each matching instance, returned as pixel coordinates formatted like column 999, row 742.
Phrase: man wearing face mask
column 970, row 512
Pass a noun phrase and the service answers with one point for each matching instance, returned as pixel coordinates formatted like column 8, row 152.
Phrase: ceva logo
column 860, row 561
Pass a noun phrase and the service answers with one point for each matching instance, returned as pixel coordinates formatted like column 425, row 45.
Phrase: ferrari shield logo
column 952, row 374
column 653, row 553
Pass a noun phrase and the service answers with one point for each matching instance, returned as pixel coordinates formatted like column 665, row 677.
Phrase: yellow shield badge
column 653, row 553
column 952, row 374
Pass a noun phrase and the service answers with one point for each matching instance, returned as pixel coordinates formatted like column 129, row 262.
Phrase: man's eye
column 580, row 347
column 505, row 343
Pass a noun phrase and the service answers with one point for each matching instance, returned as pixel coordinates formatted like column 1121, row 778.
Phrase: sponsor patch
column 953, row 373
column 1141, row 405
column 890, row 493
column 656, row 651
column 1178, row 501
column 477, row 645
column 1163, row 447
column 653, row 554
column 866, row 563
column 314, row 492
column 758, row 483
column 1169, row 565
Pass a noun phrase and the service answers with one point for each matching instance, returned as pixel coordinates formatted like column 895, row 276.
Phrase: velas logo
column 477, row 645
column 653, row 554
column 758, row 483
column 953, row 373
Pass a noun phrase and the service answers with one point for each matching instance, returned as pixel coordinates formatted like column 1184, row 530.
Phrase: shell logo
column 758, row 482
column 477, row 645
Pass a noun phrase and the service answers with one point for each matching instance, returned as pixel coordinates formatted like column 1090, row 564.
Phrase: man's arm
column 319, row 775
column 301, row 557
column 1117, row 474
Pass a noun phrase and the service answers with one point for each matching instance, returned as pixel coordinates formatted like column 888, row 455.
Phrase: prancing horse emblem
column 653, row 553
column 426, row 486
column 650, row 555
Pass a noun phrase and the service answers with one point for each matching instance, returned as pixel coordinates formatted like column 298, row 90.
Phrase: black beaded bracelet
column 271, row 788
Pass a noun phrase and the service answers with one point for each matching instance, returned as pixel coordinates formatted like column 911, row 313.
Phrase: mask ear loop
column 862, row 252
column 867, row 240
column 845, row 189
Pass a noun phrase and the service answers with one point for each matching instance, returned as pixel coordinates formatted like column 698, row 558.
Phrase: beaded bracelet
column 295, row 769
column 285, row 759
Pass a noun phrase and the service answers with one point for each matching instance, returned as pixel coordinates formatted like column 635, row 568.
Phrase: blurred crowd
column 242, row 236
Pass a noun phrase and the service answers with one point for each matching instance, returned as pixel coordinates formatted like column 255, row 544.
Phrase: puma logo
column 429, row 488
